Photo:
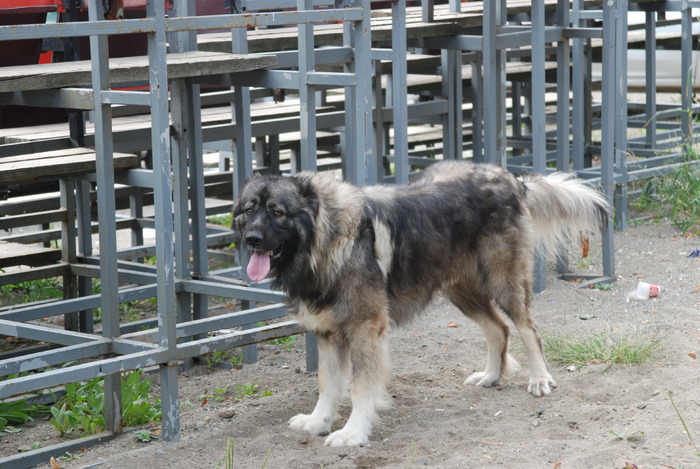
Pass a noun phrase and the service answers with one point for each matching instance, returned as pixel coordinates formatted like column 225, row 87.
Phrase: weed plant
column 81, row 410
column 214, row 359
column 284, row 342
column 33, row 290
column 145, row 436
column 17, row 412
column 631, row 436
column 230, row 453
column 229, row 462
column 677, row 195
column 608, row 347
column 250, row 390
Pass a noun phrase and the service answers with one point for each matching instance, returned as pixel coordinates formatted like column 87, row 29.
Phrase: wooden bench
column 56, row 164
column 51, row 165
column 13, row 254
column 30, row 167
column 126, row 69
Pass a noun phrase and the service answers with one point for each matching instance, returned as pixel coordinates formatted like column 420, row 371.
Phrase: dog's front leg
column 333, row 382
column 368, row 344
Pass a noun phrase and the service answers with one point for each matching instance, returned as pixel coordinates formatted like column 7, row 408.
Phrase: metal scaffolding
column 482, row 75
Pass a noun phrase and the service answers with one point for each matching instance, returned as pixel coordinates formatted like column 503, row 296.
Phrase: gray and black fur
column 354, row 261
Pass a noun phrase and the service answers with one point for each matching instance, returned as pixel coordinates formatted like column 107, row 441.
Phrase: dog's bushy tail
column 562, row 207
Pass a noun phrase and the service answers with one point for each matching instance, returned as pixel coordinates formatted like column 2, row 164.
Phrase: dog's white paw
column 541, row 386
column 346, row 437
column 310, row 424
column 482, row 379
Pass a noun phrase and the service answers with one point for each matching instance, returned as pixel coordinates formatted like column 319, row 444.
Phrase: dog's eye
column 249, row 211
column 277, row 213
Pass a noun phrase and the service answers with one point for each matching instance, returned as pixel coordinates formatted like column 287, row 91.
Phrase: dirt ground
column 597, row 417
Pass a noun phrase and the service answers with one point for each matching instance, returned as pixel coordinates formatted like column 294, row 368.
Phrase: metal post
column 381, row 138
column 163, row 207
column 501, row 79
column 243, row 164
column 608, row 127
column 578, row 71
column 491, row 83
column 361, row 165
column 307, row 94
column 106, row 213
column 687, row 70
column 84, row 232
column 517, row 115
column 539, row 136
column 68, row 248
column 188, row 156
column 452, row 90
column 650, row 78
column 621, row 121
column 563, row 105
column 399, row 91
column 563, row 89
column 477, row 97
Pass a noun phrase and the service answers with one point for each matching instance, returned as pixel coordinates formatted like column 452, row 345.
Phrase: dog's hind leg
column 515, row 302
column 369, row 355
column 333, row 382
column 481, row 311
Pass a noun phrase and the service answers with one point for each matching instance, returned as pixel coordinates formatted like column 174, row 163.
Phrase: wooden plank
column 210, row 116
column 46, row 155
column 28, row 219
column 31, row 167
column 446, row 23
column 265, row 40
column 127, row 69
column 12, row 254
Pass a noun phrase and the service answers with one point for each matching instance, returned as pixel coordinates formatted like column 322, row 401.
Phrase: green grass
column 609, row 347
column 685, row 425
column 222, row 220
column 250, row 390
column 230, row 454
column 240, row 391
column 631, row 436
column 229, row 462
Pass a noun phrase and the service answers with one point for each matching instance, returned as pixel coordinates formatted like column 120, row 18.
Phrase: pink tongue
column 258, row 265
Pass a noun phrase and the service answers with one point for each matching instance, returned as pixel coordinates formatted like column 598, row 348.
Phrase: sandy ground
column 598, row 417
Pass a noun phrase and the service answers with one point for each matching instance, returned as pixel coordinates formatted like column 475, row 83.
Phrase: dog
column 356, row 261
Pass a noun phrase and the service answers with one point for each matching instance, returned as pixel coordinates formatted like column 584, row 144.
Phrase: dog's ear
column 236, row 212
column 237, row 207
column 308, row 190
column 237, row 219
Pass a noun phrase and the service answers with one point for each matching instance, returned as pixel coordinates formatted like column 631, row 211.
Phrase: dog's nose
column 254, row 240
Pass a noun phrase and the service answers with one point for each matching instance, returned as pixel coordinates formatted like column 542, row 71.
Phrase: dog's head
column 275, row 218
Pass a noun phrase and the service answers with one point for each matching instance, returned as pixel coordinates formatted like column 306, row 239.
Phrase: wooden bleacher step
column 56, row 164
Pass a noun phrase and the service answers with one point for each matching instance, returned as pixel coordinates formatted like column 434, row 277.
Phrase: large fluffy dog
column 357, row 260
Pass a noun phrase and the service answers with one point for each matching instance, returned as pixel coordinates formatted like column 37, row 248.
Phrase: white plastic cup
column 644, row 291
